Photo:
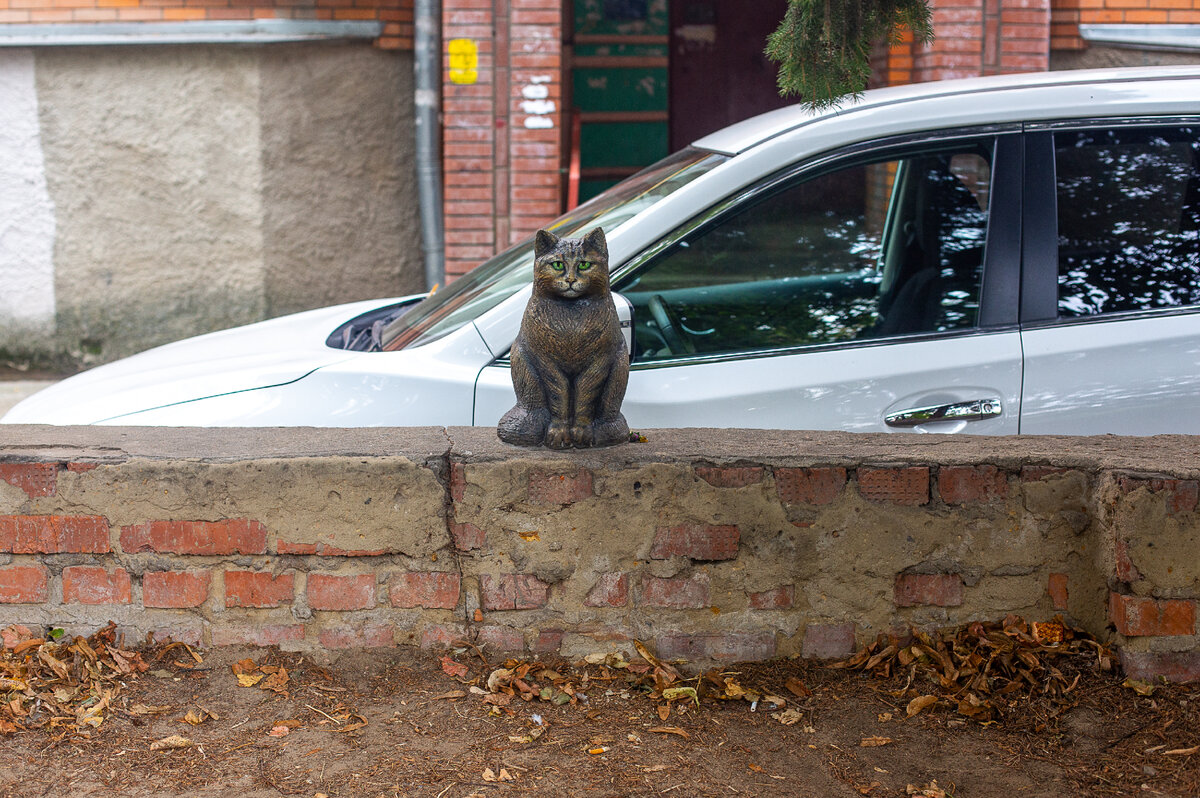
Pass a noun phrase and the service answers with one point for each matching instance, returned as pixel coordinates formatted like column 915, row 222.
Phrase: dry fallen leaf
column 670, row 730
column 279, row 731
column 170, row 743
column 930, row 790
column 664, row 711
column 452, row 694
column 789, row 717
column 874, row 741
column 455, row 669
column 194, row 718
column 797, row 687
column 1139, row 687
column 250, row 679
column 919, row 703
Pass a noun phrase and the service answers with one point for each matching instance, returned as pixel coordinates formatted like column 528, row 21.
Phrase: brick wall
column 1067, row 15
column 397, row 15
column 973, row 38
column 704, row 545
column 503, row 128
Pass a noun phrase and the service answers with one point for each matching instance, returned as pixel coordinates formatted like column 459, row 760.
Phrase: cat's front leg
column 558, row 434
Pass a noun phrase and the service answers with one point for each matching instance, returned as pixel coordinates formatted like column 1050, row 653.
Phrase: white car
column 1016, row 254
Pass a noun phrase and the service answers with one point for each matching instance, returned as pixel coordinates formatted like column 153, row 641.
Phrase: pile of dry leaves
column 985, row 669
column 46, row 683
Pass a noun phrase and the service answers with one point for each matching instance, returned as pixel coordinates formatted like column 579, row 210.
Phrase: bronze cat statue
column 570, row 364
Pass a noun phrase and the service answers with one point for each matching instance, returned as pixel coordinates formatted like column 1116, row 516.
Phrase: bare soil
column 395, row 723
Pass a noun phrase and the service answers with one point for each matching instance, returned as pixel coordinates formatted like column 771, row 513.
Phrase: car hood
column 261, row 355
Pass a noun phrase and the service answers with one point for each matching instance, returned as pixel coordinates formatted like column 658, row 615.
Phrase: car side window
column 1128, row 219
column 863, row 250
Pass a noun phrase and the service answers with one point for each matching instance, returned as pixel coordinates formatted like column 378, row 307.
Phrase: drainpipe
column 428, row 76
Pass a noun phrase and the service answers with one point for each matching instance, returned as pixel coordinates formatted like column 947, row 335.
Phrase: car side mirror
column 625, row 316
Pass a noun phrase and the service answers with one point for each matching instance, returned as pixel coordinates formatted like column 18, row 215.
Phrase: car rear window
column 1128, row 219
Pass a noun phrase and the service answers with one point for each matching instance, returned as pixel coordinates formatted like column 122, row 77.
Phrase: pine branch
column 823, row 47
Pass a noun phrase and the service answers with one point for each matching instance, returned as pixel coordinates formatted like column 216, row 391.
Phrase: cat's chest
column 570, row 324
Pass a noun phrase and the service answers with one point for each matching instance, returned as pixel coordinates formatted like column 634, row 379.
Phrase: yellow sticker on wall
column 464, row 61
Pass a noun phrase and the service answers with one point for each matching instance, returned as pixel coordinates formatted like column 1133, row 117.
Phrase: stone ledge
column 710, row 544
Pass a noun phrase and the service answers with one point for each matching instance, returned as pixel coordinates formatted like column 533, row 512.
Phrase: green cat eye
column 583, row 267
column 557, row 265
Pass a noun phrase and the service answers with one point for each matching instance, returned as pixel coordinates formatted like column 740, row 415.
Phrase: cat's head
column 570, row 268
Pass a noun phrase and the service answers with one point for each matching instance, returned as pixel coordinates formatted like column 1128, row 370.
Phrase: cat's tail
column 522, row 426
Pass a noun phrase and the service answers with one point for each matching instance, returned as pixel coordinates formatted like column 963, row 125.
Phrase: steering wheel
column 669, row 326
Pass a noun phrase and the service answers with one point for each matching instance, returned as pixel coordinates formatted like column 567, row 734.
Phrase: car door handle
column 971, row 410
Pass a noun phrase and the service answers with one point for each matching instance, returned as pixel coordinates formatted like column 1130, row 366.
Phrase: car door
column 846, row 293
column 1111, row 304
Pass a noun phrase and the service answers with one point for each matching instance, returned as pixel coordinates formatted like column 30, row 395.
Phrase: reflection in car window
column 1128, row 219
column 492, row 282
column 873, row 249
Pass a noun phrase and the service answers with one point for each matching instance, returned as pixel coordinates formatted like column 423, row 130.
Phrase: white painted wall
column 26, row 211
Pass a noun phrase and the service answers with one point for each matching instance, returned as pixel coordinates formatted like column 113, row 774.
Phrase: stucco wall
column 707, row 544
column 188, row 189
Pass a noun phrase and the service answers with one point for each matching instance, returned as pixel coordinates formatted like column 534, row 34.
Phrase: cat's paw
column 583, row 436
column 558, row 436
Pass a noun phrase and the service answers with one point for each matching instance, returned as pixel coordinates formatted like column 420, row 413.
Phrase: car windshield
column 499, row 278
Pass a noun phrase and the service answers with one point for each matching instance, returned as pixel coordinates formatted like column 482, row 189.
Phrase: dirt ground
column 403, row 722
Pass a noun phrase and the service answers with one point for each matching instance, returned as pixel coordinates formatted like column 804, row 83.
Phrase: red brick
column 675, row 592
column 333, row 592
column 1182, row 494
column 374, row 636
column 1182, row 666
column 81, row 468
column 828, row 641
column 428, row 589
column 936, row 590
column 970, row 484
column 1138, row 616
column 610, row 590
column 734, row 477
column 91, row 584
column 1056, row 587
column 1126, row 570
column 258, row 589
column 697, row 541
column 897, row 485
column 231, row 536
column 324, row 550
column 270, row 635
column 24, row 584
column 512, row 592
column 54, row 534
column 815, row 486
column 36, row 479
column 501, row 639
column 439, row 636
column 467, row 536
column 724, row 647
column 1036, row 473
column 458, row 481
column 175, row 589
column 780, row 598
column 548, row 641
column 559, row 489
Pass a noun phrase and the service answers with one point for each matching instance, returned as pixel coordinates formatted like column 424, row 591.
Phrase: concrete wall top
column 1163, row 455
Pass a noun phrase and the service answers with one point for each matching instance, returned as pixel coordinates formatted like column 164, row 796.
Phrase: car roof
column 742, row 136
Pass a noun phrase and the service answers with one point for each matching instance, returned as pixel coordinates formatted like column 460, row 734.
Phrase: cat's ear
column 595, row 242
column 543, row 242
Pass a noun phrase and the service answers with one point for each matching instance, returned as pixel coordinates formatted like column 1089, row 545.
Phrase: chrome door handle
column 971, row 410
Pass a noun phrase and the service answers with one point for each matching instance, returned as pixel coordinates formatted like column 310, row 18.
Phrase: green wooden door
column 619, row 88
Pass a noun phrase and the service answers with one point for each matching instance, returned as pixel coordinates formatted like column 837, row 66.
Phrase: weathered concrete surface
column 161, row 192
column 709, row 544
